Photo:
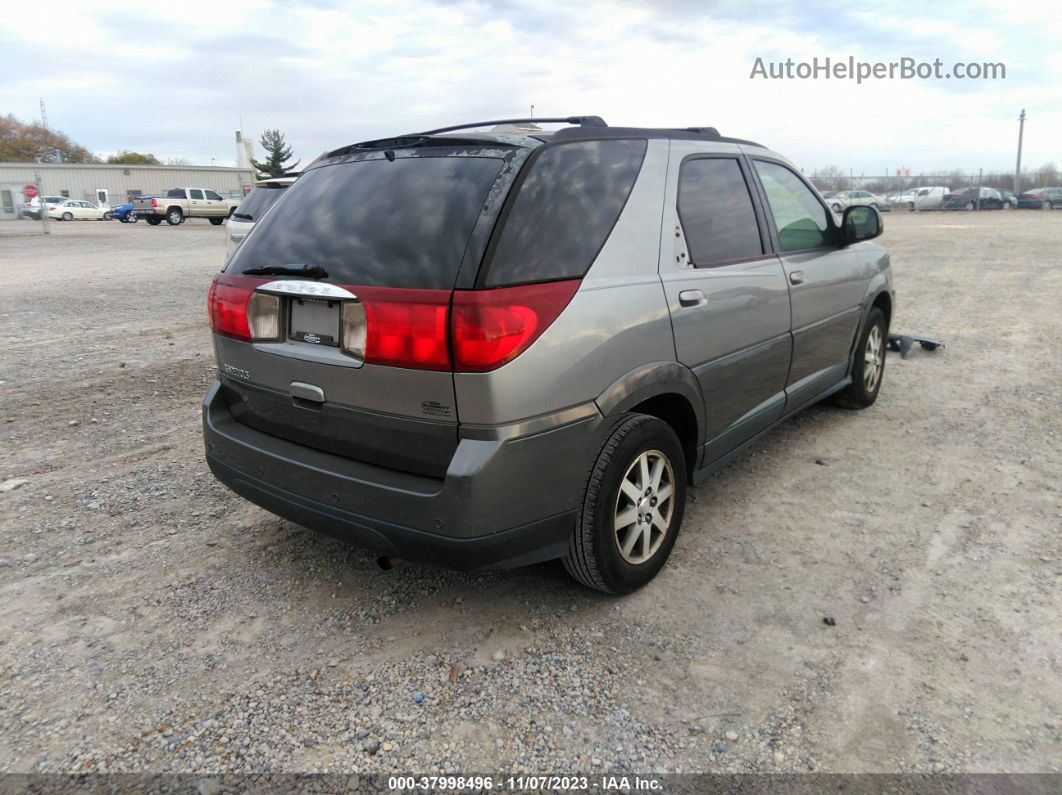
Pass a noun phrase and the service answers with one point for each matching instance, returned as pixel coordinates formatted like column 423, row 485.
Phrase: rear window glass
column 564, row 211
column 175, row 193
column 400, row 223
column 258, row 201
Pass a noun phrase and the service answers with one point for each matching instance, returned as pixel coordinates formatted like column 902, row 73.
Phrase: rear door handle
column 796, row 277
column 692, row 298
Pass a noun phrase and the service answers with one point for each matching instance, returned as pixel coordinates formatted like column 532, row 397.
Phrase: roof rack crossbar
column 584, row 121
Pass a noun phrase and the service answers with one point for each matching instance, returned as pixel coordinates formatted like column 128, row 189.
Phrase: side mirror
column 861, row 223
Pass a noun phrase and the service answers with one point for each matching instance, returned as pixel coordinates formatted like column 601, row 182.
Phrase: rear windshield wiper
column 312, row 271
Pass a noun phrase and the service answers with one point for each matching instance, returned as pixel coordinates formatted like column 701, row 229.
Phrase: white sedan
column 72, row 210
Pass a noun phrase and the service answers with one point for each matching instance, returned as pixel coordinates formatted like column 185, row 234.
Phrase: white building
column 111, row 184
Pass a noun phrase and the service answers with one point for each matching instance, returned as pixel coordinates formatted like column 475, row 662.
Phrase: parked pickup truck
column 176, row 204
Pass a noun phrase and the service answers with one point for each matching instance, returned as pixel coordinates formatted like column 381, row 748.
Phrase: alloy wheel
column 645, row 506
column 873, row 359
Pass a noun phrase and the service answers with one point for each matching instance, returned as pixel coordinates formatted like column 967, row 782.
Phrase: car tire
column 910, row 207
column 870, row 353
column 107, row 216
column 174, row 216
column 969, row 206
column 154, row 221
column 637, row 446
column 68, row 217
column 1048, row 205
column 217, row 221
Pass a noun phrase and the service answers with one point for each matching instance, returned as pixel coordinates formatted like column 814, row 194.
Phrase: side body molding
column 651, row 380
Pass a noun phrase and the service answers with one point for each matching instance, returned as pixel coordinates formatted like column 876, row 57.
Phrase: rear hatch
column 332, row 318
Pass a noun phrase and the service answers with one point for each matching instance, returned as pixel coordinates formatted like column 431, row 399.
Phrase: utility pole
column 44, row 115
column 1017, row 168
column 532, row 111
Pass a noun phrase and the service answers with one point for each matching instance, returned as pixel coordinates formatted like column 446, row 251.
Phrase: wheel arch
column 668, row 391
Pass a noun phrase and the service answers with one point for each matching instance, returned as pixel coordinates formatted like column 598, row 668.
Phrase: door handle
column 692, row 298
column 796, row 277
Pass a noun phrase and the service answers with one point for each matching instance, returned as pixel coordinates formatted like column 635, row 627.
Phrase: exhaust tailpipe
column 386, row 564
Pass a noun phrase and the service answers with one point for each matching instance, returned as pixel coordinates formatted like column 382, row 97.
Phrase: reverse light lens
column 354, row 331
column 493, row 327
column 263, row 317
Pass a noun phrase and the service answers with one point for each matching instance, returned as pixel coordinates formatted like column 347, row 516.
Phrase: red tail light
column 227, row 302
column 406, row 328
column 492, row 327
column 154, row 202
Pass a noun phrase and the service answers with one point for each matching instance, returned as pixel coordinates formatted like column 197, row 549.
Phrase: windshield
column 258, row 201
column 390, row 223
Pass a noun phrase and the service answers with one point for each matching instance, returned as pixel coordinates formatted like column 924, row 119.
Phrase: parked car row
column 938, row 197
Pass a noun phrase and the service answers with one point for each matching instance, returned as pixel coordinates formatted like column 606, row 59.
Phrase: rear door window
column 401, row 223
column 259, row 200
column 197, row 194
column 716, row 212
column 798, row 216
column 564, row 211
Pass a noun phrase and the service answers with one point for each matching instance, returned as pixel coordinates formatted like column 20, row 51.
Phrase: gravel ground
column 150, row 620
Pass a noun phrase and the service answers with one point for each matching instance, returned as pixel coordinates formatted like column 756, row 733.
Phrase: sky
column 177, row 79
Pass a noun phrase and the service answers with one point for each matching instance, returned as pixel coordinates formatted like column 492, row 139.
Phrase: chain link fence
column 902, row 190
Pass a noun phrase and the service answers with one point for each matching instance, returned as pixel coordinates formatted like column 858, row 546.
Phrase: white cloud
column 175, row 80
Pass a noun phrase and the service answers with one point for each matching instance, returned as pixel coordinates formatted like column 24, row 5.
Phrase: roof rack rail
column 584, row 121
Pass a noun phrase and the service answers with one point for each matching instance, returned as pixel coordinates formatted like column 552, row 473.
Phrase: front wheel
column 969, row 206
column 174, row 216
column 1048, row 206
column 632, row 508
column 217, row 221
column 107, row 216
column 869, row 367
column 68, row 217
column 154, row 221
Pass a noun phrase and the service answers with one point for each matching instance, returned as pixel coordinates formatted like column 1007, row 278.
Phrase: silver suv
column 488, row 349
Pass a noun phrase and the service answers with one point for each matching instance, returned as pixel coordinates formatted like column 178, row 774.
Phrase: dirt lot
column 151, row 620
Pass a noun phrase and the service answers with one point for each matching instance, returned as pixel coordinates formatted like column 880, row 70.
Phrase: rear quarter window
column 564, row 211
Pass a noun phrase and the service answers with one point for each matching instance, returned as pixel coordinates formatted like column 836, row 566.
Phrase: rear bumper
column 504, row 502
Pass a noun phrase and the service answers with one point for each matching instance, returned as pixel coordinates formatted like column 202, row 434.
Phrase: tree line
column 34, row 143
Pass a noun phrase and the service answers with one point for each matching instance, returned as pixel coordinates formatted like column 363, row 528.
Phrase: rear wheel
column 217, row 221
column 969, row 206
column 632, row 509
column 1048, row 206
column 154, row 221
column 174, row 216
column 869, row 367
column 68, row 217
